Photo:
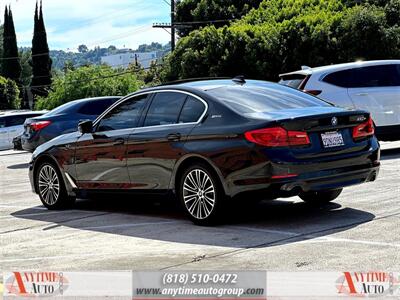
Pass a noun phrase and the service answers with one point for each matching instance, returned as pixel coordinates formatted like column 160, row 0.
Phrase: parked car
column 208, row 141
column 11, row 125
column 63, row 119
column 370, row 85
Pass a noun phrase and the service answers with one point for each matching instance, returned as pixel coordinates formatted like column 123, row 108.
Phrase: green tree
column 11, row 65
column 41, row 61
column 9, row 94
column 89, row 81
column 211, row 10
column 282, row 35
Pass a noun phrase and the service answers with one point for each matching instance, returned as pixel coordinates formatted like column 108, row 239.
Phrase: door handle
column 362, row 94
column 174, row 137
column 119, row 142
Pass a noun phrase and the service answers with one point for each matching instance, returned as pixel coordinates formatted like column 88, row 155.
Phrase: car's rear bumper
column 281, row 178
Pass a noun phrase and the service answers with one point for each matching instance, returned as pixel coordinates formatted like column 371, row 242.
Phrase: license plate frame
column 332, row 139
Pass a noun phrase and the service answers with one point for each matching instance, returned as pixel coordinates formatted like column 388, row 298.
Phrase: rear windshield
column 62, row 109
column 267, row 98
column 293, row 80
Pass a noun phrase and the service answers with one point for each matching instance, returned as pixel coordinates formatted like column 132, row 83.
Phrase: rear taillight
column 313, row 92
column 36, row 126
column 277, row 137
column 364, row 130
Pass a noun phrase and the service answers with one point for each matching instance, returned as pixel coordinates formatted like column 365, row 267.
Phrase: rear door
column 101, row 155
column 377, row 90
column 154, row 148
column 3, row 133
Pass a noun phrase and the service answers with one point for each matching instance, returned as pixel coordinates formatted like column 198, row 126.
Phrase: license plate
column 332, row 139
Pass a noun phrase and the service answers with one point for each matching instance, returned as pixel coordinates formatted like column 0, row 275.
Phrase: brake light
column 36, row 126
column 277, row 137
column 313, row 92
column 364, row 130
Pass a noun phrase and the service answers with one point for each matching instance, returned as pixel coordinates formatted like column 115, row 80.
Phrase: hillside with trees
column 282, row 35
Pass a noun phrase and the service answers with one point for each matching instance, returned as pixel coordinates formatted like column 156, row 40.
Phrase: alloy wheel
column 199, row 194
column 49, row 185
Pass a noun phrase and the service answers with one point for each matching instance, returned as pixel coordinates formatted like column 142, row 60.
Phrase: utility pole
column 171, row 25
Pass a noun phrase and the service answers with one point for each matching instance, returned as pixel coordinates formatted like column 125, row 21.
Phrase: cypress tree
column 41, row 61
column 11, row 62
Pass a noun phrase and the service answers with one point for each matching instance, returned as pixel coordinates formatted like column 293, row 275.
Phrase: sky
column 70, row 23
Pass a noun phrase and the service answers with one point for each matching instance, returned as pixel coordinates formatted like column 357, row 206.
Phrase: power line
column 96, row 78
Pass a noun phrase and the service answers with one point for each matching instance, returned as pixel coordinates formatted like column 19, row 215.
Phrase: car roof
column 20, row 112
column 94, row 99
column 206, row 85
column 338, row 67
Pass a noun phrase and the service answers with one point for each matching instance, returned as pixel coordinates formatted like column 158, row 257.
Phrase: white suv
column 12, row 125
column 370, row 85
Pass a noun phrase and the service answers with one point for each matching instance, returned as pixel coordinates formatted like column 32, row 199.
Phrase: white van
column 370, row 85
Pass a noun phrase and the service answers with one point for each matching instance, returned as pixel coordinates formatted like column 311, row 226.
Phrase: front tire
column 320, row 197
column 51, row 187
column 201, row 195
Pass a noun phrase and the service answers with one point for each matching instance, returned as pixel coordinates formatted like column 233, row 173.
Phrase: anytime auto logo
column 35, row 284
column 367, row 284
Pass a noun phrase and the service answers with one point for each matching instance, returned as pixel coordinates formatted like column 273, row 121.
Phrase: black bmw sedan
column 210, row 141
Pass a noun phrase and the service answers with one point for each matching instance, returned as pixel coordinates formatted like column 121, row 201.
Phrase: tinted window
column 374, row 76
column 125, row 115
column 62, row 109
column 251, row 99
column 96, row 107
column 165, row 109
column 2, row 122
column 15, row 120
column 192, row 110
column 293, row 81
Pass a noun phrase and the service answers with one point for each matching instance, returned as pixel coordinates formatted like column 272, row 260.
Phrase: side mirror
column 85, row 126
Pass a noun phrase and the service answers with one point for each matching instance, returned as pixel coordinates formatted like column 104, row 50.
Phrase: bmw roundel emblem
column 334, row 121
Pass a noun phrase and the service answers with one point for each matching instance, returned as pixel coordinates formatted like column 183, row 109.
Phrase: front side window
column 165, row 109
column 125, row 115
column 191, row 111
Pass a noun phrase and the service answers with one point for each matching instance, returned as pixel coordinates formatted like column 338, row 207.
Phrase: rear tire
column 320, row 197
column 201, row 195
column 51, row 187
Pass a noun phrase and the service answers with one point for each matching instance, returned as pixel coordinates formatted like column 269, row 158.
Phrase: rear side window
column 125, row 115
column 15, row 120
column 293, row 81
column 341, row 78
column 373, row 76
column 165, row 109
column 96, row 108
column 250, row 99
column 192, row 110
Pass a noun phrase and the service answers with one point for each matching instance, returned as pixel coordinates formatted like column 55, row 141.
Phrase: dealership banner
column 153, row 285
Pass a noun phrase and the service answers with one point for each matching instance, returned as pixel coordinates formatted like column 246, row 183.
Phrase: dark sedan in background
column 209, row 141
column 63, row 119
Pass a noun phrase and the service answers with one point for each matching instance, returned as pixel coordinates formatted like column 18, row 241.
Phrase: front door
column 101, row 156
